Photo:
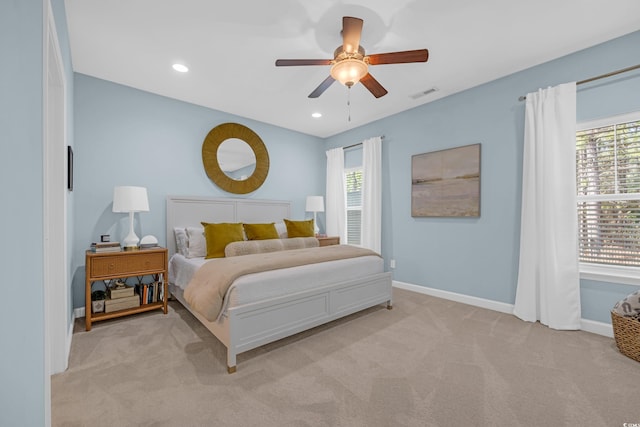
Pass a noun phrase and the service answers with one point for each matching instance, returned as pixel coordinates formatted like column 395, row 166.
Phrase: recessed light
column 316, row 115
column 180, row 68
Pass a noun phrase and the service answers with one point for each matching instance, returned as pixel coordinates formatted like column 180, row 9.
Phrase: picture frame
column 446, row 183
column 69, row 168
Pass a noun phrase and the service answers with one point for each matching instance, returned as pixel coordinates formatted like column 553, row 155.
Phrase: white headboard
column 186, row 211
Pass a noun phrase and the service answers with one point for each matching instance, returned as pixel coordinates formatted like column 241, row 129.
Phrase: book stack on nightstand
column 101, row 247
column 121, row 297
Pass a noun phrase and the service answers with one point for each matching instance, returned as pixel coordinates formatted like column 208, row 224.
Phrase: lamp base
column 130, row 248
column 131, row 241
column 316, row 229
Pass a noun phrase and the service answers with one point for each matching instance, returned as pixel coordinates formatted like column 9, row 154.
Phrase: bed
column 264, row 307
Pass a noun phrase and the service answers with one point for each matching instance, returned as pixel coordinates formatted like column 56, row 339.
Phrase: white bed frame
column 248, row 326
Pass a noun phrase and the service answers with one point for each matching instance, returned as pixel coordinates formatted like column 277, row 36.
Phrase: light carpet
column 427, row 362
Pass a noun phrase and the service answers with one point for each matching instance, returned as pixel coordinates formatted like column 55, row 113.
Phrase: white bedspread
column 269, row 284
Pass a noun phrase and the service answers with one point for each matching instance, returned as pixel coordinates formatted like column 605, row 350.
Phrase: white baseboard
column 592, row 326
column 67, row 349
column 452, row 296
column 69, row 338
column 78, row 312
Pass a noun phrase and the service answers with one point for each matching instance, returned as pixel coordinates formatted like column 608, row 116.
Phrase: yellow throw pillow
column 299, row 228
column 218, row 236
column 260, row 231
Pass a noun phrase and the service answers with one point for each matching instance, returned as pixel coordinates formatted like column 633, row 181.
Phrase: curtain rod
column 359, row 143
column 602, row 76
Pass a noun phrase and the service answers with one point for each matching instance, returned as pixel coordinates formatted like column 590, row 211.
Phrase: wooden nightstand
column 329, row 240
column 117, row 265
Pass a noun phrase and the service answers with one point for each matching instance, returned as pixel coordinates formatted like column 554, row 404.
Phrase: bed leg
column 231, row 361
column 389, row 305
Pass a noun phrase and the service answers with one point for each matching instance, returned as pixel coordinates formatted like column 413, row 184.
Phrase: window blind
column 353, row 179
column 608, row 184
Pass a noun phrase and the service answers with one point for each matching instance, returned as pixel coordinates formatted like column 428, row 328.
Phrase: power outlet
column 392, row 263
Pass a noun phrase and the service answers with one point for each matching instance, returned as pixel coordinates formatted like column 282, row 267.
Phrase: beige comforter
column 206, row 290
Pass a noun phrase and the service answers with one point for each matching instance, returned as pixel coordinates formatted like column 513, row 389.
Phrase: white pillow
column 281, row 228
column 197, row 244
column 182, row 241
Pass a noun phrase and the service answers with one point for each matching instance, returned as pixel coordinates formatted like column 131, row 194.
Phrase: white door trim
column 56, row 265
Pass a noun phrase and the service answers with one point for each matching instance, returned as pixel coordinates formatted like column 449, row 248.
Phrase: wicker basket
column 626, row 331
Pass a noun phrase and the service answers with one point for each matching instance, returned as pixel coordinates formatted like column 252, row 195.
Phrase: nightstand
column 329, row 240
column 116, row 265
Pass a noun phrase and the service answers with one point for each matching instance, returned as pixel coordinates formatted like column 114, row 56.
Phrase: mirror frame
column 217, row 136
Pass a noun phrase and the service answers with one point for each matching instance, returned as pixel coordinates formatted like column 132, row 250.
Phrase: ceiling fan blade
column 351, row 31
column 323, row 86
column 294, row 62
column 420, row 55
column 374, row 87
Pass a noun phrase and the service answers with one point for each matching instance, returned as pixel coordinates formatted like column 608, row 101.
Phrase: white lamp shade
column 130, row 199
column 315, row 204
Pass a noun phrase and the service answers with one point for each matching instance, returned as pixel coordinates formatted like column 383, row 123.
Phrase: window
column 353, row 180
column 608, row 184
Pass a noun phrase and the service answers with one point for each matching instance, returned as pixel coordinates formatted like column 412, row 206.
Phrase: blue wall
column 479, row 257
column 22, row 401
column 124, row 136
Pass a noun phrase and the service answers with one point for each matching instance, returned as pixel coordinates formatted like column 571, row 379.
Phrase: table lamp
column 130, row 199
column 315, row 204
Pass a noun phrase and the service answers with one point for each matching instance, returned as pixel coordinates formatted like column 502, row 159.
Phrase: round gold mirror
column 226, row 155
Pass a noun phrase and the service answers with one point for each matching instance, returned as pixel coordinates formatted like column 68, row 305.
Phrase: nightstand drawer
column 127, row 263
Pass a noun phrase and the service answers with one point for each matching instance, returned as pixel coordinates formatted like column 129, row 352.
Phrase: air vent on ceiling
column 424, row 92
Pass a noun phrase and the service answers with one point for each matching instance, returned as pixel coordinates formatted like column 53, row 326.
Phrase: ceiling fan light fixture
column 349, row 71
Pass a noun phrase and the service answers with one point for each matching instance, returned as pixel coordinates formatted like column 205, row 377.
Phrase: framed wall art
column 446, row 183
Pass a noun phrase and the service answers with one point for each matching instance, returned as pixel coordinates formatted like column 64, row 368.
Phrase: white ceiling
column 230, row 48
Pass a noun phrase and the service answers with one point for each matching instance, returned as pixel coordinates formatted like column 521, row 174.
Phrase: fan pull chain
column 349, row 103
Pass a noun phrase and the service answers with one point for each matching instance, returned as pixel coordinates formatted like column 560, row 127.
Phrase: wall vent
column 424, row 93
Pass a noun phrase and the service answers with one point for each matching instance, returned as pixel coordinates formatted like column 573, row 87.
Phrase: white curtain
column 372, row 193
column 336, row 194
column 548, row 277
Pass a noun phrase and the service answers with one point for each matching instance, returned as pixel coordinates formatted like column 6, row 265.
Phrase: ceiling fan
column 350, row 63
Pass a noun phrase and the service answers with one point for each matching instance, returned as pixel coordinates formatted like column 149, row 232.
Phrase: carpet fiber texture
column 427, row 362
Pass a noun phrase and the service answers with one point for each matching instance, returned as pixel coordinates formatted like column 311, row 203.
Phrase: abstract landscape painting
column 446, row 183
